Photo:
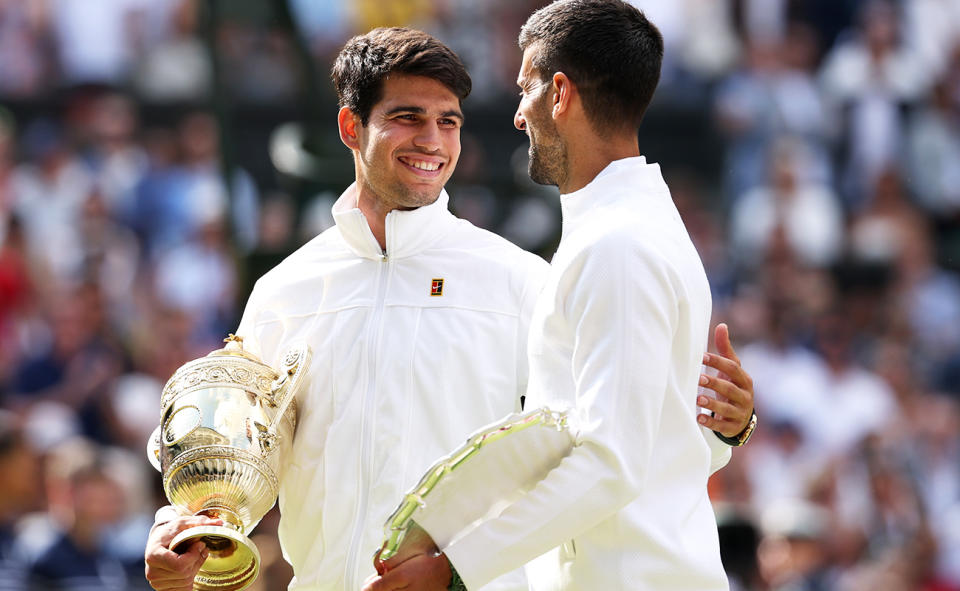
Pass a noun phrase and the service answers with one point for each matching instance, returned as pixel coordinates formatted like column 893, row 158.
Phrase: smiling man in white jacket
column 616, row 337
column 418, row 322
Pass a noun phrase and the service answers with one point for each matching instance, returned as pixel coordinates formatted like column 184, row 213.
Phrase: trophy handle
column 153, row 448
column 296, row 361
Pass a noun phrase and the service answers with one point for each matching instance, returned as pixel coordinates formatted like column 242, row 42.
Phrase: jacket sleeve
column 720, row 452
column 247, row 328
column 533, row 284
column 622, row 310
column 515, row 580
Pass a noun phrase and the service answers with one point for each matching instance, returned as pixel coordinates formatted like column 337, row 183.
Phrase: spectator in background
column 258, row 64
column 111, row 257
column 772, row 95
column 793, row 550
column 20, row 477
column 8, row 146
column 203, row 193
column 867, row 81
column 74, row 370
column 16, row 290
column 933, row 452
column 116, row 159
column 853, row 401
column 739, row 538
column 324, row 24
column 472, row 31
column 783, row 463
column 153, row 216
column 927, row 297
column 877, row 234
column 25, row 58
column 184, row 189
column 49, row 189
column 746, row 116
column 699, row 45
column 96, row 41
column 199, row 278
column 178, row 68
column 807, row 211
column 934, row 151
column 933, row 28
column 88, row 504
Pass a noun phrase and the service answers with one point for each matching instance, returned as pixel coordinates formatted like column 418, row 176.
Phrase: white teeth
column 423, row 165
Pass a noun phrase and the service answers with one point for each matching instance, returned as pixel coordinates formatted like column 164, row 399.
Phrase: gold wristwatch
column 743, row 436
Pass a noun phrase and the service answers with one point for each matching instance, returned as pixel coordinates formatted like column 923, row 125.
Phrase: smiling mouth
column 423, row 165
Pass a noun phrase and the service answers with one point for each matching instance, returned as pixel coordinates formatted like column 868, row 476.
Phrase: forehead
column 417, row 91
column 527, row 72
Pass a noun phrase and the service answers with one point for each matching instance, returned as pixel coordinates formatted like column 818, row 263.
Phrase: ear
column 563, row 91
column 349, row 124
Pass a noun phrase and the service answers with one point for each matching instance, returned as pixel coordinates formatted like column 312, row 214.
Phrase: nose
column 518, row 121
column 428, row 137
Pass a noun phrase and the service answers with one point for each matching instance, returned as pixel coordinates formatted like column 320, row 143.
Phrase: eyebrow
column 422, row 111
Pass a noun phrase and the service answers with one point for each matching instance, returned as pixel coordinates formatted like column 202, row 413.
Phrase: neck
column 376, row 218
column 375, row 210
column 588, row 158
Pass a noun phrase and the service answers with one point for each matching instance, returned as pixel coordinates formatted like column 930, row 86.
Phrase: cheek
column 453, row 149
column 380, row 145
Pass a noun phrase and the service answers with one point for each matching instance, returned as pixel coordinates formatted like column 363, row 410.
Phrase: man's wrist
column 165, row 514
column 743, row 436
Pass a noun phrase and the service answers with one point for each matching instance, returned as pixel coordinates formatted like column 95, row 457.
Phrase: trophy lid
column 230, row 366
column 234, row 348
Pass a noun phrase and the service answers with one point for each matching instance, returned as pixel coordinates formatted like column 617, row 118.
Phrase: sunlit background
column 157, row 156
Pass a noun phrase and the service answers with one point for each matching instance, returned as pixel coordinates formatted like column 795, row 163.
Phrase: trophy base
column 233, row 563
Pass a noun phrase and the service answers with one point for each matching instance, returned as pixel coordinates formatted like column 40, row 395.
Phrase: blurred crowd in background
column 157, row 156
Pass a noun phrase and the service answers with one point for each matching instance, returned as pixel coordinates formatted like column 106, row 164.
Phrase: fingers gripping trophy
column 226, row 422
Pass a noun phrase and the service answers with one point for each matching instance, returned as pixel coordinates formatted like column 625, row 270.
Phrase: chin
column 540, row 176
column 421, row 197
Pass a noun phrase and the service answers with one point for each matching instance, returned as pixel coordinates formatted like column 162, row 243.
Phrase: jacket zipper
column 366, row 435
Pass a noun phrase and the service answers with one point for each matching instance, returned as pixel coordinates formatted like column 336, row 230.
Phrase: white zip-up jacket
column 618, row 336
column 413, row 350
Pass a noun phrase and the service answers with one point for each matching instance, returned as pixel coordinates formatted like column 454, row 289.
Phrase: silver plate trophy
column 496, row 466
column 226, row 422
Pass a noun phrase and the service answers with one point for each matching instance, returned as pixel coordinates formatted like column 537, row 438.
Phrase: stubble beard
column 408, row 198
column 547, row 163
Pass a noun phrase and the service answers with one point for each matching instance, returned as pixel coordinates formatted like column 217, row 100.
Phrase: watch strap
column 743, row 436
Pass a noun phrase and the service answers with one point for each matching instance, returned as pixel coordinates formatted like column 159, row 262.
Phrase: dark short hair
column 367, row 60
column 608, row 48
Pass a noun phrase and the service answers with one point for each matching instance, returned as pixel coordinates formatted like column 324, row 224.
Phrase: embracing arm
column 730, row 412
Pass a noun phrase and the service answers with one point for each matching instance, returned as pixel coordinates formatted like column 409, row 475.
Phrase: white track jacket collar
column 407, row 232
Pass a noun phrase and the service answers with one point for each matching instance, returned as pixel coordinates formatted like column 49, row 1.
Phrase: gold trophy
column 226, row 422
